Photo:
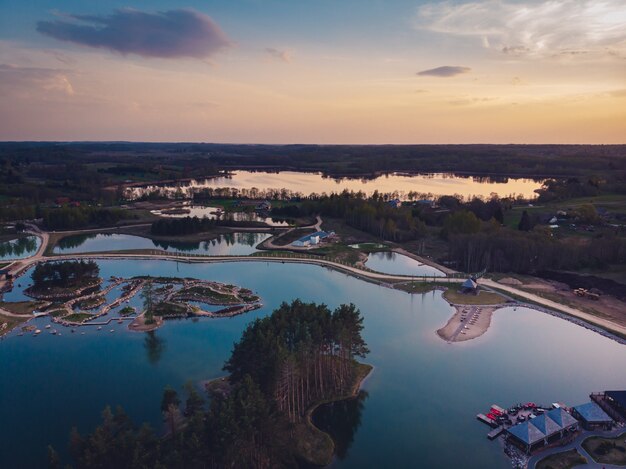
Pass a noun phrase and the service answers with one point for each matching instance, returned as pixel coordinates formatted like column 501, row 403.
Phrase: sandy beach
column 468, row 322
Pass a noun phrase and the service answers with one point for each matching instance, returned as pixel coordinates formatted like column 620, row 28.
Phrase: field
column 607, row 450
column 564, row 460
column 483, row 298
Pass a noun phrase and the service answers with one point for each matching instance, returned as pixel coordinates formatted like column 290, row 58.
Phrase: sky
column 324, row 71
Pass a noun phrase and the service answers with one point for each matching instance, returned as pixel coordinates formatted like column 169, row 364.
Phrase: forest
column 181, row 226
column 64, row 273
column 283, row 364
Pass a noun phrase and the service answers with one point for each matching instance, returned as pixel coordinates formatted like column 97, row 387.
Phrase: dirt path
column 595, row 320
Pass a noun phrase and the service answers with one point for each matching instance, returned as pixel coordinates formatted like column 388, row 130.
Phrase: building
column 395, row 203
column 312, row 239
column 469, row 286
column 264, row 206
column 5, row 274
column 617, row 400
column 542, row 430
column 592, row 417
column 427, row 203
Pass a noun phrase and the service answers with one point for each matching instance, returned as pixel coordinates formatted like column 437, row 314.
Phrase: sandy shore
column 467, row 323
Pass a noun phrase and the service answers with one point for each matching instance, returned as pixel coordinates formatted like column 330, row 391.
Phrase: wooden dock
column 484, row 419
column 493, row 434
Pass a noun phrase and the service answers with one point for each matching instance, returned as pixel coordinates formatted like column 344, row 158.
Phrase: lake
column 201, row 211
column 258, row 184
column 422, row 397
column 389, row 262
column 232, row 244
column 19, row 248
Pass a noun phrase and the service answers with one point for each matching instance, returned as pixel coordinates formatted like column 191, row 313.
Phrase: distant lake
column 389, row 262
column 419, row 405
column 19, row 248
column 202, row 211
column 264, row 184
column 232, row 244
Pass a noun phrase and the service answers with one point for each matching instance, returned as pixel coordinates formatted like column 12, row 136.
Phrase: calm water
column 19, row 248
column 393, row 263
column 232, row 244
column 421, row 399
column 201, row 211
column 260, row 184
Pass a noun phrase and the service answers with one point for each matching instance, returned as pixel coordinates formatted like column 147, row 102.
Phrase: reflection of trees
column 341, row 420
column 155, row 346
column 74, row 241
column 177, row 245
column 19, row 246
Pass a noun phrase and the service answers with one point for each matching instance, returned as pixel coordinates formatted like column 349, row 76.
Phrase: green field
column 607, row 450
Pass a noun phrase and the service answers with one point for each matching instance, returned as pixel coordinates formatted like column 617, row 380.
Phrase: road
column 568, row 310
column 19, row 267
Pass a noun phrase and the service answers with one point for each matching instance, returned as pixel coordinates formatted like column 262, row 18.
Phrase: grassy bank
column 564, row 460
column 454, row 296
column 607, row 450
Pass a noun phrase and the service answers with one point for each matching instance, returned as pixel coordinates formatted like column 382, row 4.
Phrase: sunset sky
column 324, row 71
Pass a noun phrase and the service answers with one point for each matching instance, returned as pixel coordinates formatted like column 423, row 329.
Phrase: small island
column 73, row 294
column 284, row 366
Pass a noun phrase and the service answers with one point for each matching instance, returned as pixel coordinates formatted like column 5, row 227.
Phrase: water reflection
column 341, row 420
column 154, row 346
column 287, row 184
column 19, row 248
column 239, row 244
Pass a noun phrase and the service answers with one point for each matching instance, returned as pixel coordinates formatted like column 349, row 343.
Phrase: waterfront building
column 542, row 430
column 592, row 417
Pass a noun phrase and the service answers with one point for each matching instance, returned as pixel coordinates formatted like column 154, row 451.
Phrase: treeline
column 182, row 226
column 65, row 273
column 300, row 354
column 71, row 218
column 506, row 250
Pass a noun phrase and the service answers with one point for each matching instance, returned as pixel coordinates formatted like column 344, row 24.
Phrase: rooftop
column 617, row 396
column 591, row 412
column 543, row 426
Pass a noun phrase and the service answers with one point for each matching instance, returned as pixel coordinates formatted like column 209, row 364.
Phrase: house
column 312, row 239
column 542, row 430
column 592, row 417
column 427, row 203
column 5, row 274
column 395, row 203
column 264, row 206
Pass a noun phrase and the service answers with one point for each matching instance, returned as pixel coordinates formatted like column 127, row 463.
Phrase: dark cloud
column 173, row 33
column 445, row 71
column 278, row 54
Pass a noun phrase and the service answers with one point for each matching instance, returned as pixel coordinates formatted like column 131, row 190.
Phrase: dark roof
column 469, row 283
column 617, row 396
column 541, row 427
column 591, row 412
column 4, row 271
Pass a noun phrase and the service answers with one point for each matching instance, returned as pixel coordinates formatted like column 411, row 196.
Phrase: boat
column 99, row 327
column 47, row 326
column 112, row 330
column 37, row 331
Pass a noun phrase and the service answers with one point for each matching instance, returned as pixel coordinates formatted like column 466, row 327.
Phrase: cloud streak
column 532, row 29
column 282, row 55
column 166, row 34
column 445, row 71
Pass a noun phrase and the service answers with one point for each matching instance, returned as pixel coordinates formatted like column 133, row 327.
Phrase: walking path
column 568, row 310
column 577, row 443
column 18, row 268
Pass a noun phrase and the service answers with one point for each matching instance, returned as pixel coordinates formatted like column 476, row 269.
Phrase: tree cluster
column 301, row 353
column 182, row 226
column 65, row 273
column 69, row 218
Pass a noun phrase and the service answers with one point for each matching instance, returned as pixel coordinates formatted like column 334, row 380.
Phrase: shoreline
column 613, row 331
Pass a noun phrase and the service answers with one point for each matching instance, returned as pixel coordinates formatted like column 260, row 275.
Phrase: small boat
column 73, row 330
column 99, row 327
column 47, row 326
column 82, row 333
column 53, row 332
column 112, row 330
column 37, row 331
